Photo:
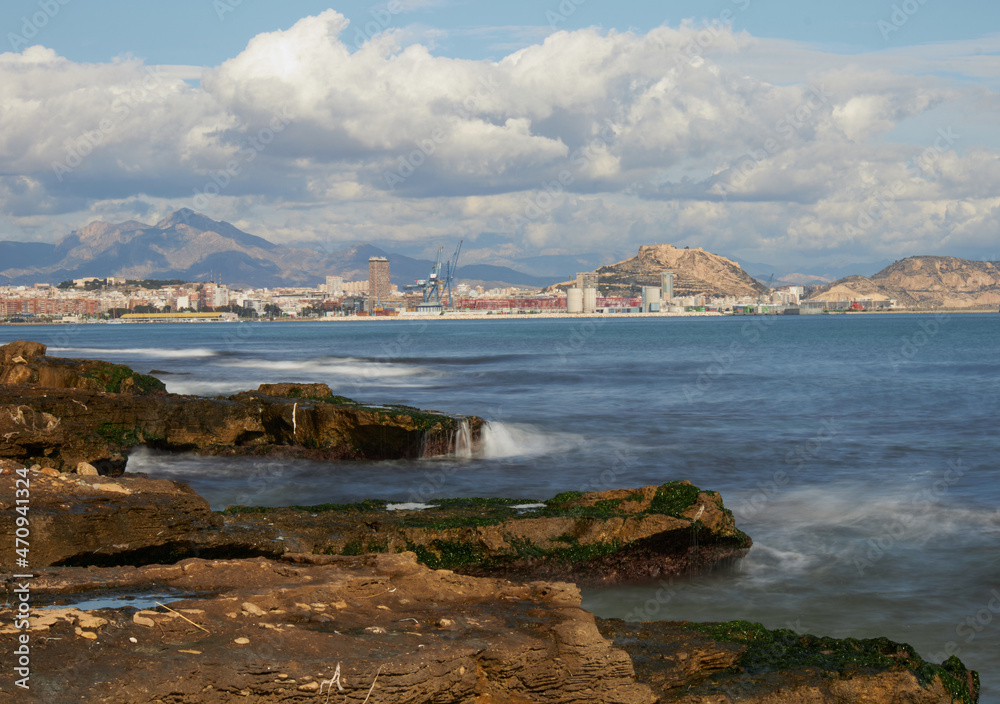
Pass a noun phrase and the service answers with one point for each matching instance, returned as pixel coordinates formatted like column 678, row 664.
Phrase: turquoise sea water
column 860, row 452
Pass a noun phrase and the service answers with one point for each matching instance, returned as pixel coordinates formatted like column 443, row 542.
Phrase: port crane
column 439, row 282
column 432, row 286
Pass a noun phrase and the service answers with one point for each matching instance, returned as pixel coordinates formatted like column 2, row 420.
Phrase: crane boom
column 432, row 287
column 450, row 276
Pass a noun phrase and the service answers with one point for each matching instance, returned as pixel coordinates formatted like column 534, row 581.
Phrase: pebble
column 309, row 687
column 89, row 635
column 375, row 629
column 252, row 609
column 242, row 641
column 133, row 640
column 87, row 470
column 143, row 621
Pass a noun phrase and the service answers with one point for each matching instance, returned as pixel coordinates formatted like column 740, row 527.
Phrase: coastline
column 520, row 316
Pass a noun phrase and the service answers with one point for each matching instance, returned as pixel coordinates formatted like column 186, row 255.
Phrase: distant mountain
column 189, row 246
column 819, row 274
column 925, row 282
column 696, row 272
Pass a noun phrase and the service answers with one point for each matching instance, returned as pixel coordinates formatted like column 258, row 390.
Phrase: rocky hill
column 696, row 272
column 189, row 246
column 924, row 282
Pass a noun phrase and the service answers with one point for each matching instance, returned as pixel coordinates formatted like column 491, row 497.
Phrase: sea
column 860, row 452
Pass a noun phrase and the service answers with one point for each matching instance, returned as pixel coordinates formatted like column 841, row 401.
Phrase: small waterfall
column 455, row 442
column 462, row 440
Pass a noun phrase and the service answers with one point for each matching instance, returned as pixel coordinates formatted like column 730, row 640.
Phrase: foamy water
column 502, row 440
column 165, row 353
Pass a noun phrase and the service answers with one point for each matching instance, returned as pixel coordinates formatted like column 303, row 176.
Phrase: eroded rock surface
column 382, row 628
column 596, row 538
column 599, row 538
column 61, row 412
column 282, row 632
column 86, row 519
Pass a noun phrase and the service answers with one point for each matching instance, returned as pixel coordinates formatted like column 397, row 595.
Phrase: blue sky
column 553, row 127
column 206, row 32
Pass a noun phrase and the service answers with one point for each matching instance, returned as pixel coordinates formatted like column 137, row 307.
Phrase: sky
column 804, row 135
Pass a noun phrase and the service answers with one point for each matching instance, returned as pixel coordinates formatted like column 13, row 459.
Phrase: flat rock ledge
column 60, row 413
column 597, row 538
column 383, row 628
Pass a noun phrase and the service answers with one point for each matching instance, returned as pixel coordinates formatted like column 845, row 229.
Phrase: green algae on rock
column 784, row 649
column 61, row 412
column 745, row 662
column 594, row 538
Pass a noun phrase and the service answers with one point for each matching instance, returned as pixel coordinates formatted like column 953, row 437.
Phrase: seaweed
column 783, row 649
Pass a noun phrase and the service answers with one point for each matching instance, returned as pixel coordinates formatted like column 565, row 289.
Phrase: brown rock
column 68, row 411
column 22, row 349
column 599, row 538
column 306, row 391
column 87, row 470
column 509, row 643
column 133, row 520
column 506, row 643
column 10, row 466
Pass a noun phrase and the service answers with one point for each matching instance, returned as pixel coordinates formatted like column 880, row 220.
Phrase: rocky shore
column 464, row 600
column 280, row 605
column 62, row 413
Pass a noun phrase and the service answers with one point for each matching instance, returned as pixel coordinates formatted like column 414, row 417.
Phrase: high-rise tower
column 378, row 278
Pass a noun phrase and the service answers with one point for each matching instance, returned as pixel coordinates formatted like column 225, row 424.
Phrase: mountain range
column 191, row 247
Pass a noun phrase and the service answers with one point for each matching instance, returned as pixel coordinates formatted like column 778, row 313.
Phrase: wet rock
column 745, row 663
column 596, row 538
column 506, row 643
column 20, row 352
column 517, row 643
column 68, row 412
column 89, row 520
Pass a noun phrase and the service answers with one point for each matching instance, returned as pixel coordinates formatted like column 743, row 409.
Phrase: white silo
column 574, row 300
column 590, row 300
column 650, row 299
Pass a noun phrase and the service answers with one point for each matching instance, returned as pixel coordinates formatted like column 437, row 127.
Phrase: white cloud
column 735, row 143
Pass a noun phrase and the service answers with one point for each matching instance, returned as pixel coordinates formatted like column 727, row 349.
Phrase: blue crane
column 432, row 287
column 450, row 273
